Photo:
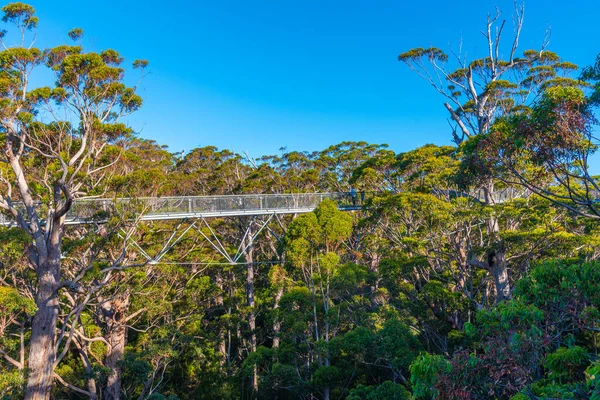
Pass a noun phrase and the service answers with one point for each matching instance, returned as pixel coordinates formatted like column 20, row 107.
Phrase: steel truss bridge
column 193, row 213
column 99, row 210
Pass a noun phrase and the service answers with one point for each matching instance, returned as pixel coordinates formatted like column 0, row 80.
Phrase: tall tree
column 479, row 91
column 53, row 140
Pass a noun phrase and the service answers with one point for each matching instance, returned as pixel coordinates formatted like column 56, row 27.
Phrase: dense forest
column 470, row 271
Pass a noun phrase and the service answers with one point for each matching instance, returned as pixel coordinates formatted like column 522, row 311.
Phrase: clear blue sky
column 259, row 75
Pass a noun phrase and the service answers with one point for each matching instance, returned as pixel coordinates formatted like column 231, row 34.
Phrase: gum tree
column 546, row 150
column 479, row 91
column 53, row 142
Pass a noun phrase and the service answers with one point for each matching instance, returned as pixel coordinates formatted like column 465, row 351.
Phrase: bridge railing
column 502, row 195
column 100, row 209
column 192, row 205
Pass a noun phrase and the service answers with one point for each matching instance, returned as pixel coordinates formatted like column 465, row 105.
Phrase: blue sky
column 257, row 76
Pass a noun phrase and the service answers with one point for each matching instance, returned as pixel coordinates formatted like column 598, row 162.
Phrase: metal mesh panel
column 87, row 210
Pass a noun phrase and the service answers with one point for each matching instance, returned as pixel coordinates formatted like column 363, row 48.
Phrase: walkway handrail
column 88, row 210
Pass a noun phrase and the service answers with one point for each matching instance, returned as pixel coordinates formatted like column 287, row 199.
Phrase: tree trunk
column 114, row 312
column 42, row 350
column 498, row 267
column 326, row 391
column 497, row 257
column 277, row 321
column 375, row 258
column 91, row 382
column 219, row 302
column 249, row 253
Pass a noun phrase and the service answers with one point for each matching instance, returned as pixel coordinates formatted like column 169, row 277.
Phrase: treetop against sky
column 260, row 76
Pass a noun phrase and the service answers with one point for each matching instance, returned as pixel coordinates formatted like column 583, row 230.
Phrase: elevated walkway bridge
column 98, row 210
column 194, row 212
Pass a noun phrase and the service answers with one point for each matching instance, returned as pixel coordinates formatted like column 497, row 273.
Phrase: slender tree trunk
column 91, row 382
column 249, row 253
column 221, row 345
column 374, row 269
column 277, row 322
column 115, row 311
column 327, row 359
column 326, row 391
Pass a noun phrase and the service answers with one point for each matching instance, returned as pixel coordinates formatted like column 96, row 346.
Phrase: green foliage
column 140, row 64
column 20, row 14
column 11, row 384
column 592, row 374
column 386, row 390
column 558, row 283
column 335, row 225
column 11, row 303
column 592, row 74
column 345, row 302
column 567, row 363
column 425, row 372
column 76, row 34
column 430, row 53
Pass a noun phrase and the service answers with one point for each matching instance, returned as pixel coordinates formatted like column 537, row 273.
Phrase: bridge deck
column 97, row 210
column 165, row 208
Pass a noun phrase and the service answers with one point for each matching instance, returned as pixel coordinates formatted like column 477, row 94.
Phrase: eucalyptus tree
column 337, row 163
column 546, row 337
column 16, row 309
column 293, row 172
column 479, row 91
column 143, row 169
column 547, row 150
column 378, row 173
column 313, row 243
column 210, row 171
column 54, row 140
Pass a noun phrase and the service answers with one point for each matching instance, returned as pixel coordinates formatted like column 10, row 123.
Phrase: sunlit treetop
column 20, row 14
column 76, row 34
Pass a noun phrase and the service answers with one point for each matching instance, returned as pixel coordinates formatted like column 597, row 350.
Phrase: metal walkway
column 85, row 211
column 193, row 213
column 99, row 210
